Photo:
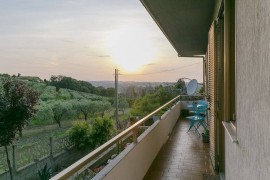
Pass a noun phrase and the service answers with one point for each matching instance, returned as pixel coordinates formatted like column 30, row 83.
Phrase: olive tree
column 61, row 110
column 44, row 113
column 86, row 107
column 103, row 106
column 17, row 106
column 123, row 104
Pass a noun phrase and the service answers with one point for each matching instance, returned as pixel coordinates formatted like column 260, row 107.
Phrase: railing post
column 14, row 153
column 135, row 130
column 135, row 135
column 51, row 146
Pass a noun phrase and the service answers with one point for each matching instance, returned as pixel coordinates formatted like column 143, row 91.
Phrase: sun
column 131, row 47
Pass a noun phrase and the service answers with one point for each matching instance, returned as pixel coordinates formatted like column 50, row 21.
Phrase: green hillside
column 57, row 104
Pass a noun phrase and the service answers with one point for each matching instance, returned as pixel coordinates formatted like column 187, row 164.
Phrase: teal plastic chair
column 195, row 121
column 198, row 119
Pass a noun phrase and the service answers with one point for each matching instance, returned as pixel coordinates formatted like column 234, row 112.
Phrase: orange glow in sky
column 131, row 47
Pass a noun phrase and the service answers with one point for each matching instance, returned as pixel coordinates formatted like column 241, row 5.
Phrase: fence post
column 14, row 158
column 51, row 146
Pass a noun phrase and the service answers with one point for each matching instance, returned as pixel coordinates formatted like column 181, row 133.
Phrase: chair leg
column 191, row 125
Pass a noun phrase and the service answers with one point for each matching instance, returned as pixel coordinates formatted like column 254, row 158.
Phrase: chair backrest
column 202, row 102
column 202, row 110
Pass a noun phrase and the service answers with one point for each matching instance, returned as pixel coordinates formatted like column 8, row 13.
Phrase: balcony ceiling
column 185, row 23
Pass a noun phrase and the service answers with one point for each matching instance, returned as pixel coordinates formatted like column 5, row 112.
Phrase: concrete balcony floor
column 183, row 157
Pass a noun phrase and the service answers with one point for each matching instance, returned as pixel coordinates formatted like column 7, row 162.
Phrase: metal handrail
column 71, row 170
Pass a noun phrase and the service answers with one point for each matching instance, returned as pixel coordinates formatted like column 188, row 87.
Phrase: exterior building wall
column 250, row 158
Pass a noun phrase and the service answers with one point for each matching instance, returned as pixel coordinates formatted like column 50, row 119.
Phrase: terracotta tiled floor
column 183, row 157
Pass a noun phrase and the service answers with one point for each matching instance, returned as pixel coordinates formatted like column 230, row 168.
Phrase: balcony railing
column 134, row 161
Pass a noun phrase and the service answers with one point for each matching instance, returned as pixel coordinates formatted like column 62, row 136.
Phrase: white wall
column 134, row 162
column 250, row 159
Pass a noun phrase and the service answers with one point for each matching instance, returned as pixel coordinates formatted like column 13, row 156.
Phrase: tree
column 145, row 105
column 17, row 106
column 61, row 110
column 86, row 107
column 103, row 106
column 103, row 129
column 181, row 85
column 150, row 102
column 123, row 104
column 44, row 112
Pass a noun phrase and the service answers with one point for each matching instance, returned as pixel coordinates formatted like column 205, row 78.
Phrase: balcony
column 163, row 151
column 184, row 156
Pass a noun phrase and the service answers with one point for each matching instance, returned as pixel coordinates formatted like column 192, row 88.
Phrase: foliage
column 103, row 129
column 45, row 173
column 201, row 90
column 49, row 93
column 145, row 105
column 181, row 85
column 64, row 94
column 122, row 104
column 81, row 135
column 17, row 106
column 83, row 86
column 150, row 102
column 44, row 114
column 86, row 107
column 61, row 109
column 103, row 106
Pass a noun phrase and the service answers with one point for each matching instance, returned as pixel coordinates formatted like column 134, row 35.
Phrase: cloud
column 68, row 41
column 151, row 64
column 104, row 56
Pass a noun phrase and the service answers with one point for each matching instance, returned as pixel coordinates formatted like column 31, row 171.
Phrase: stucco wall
column 250, row 159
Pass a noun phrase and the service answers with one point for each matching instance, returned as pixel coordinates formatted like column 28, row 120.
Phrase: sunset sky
column 87, row 40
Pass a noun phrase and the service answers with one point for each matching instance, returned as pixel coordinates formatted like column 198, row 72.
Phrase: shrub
column 103, row 129
column 81, row 135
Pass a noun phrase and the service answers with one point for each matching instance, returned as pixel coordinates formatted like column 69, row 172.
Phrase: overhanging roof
column 185, row 23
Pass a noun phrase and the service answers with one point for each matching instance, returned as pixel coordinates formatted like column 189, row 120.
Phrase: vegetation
column 122, row 104
column 83, row 86
column 103, row 129
column 17, row 106
column 86, row 107
column 181, row 86
column 84, row 135
column 150, row 102
column 81, row 135
column 64, row 98
column 45, row 173
column 61, row 110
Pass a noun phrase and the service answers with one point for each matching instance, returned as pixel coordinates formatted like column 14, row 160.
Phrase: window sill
column 231, row 130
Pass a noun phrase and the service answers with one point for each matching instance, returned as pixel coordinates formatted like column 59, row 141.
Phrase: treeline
column 77, row 85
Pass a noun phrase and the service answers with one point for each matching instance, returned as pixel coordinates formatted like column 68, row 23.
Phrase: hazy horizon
column 87, row 40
